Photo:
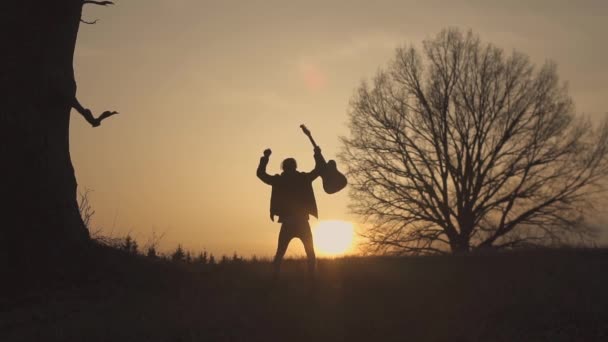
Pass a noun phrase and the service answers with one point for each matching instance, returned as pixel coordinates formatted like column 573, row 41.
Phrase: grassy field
column 528, row 296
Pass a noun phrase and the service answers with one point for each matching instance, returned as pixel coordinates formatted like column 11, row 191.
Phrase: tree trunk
column 40, row 214
column 460, row 245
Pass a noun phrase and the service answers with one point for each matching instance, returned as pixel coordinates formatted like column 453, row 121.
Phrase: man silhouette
column 292, row 200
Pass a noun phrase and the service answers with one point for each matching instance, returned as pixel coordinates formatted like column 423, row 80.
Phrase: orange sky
column 203, row 87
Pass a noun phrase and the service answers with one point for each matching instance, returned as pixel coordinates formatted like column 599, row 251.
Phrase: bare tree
column 461, row 146
column 38, row 90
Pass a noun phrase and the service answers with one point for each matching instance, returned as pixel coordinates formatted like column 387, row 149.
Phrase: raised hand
column 267, row 152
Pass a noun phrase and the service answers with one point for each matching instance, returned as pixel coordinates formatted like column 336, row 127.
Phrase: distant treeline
column 129, row 245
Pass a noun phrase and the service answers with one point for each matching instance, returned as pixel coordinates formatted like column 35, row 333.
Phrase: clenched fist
column 267, row 152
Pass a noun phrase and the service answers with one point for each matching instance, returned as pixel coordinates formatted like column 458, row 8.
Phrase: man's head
column 289, row 165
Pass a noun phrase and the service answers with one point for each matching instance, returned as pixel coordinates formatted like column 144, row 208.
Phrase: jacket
column 292, row 193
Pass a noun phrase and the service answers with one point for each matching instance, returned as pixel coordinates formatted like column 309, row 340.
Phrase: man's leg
column 284, row 238
column 306, row 237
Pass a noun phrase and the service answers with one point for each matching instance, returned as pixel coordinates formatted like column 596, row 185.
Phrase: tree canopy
column 459, row 146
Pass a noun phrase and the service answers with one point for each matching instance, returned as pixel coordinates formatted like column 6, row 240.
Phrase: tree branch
column 89, row 22
column 98, row 3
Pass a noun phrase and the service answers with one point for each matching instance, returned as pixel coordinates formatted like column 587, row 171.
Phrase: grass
column 528, row 296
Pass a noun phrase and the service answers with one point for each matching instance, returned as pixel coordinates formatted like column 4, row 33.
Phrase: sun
column 333, row 238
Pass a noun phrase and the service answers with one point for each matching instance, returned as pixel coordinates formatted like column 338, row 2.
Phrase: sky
column 203, row 87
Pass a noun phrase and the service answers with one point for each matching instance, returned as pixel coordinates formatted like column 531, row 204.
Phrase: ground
column 529, row 296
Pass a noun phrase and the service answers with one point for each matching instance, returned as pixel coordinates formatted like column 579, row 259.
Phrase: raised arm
column 319, row 164
column 261, row 172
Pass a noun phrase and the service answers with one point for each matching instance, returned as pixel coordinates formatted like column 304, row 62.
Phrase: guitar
column 333, row 180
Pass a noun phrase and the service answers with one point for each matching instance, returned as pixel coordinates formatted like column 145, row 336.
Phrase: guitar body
column 333, row 180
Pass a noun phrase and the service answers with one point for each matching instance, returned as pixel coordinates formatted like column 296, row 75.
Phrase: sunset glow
column 207, row 86
column 333, row 238
column 191, row 170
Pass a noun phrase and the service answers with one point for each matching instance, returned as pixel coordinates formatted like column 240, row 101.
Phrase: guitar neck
column 312, row 141
column 309, row 135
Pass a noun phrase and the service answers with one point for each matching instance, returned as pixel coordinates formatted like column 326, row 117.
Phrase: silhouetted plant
column 178, row 254
column 85, row 208
column 151, row 252
column 87, row 212
column 151, row 245
column 212, row 260
column 236, row 258
column 130, row 245
column 201, row 259
column 462, row 146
